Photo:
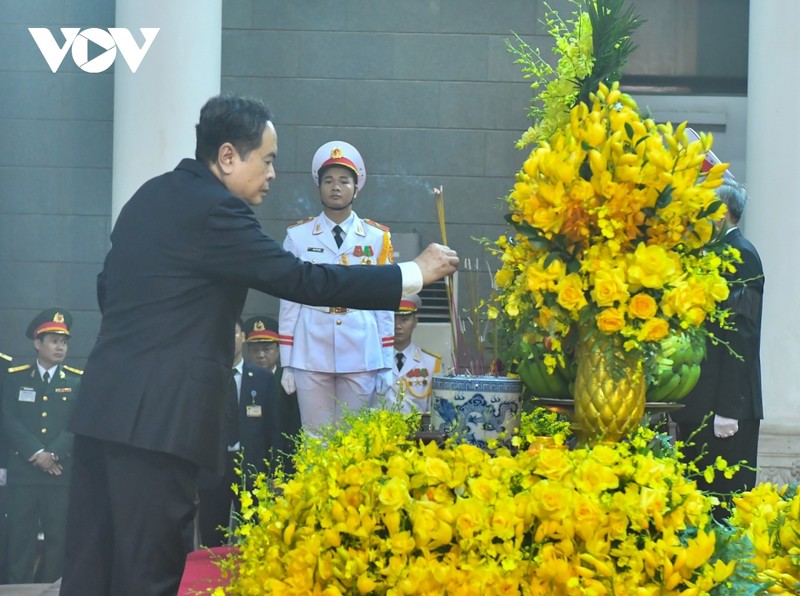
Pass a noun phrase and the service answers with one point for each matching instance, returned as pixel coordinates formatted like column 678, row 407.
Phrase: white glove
column 383, row 381
column 725, row 427
column 287, row 380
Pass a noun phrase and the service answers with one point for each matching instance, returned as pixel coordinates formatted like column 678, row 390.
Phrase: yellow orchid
column 458, row 520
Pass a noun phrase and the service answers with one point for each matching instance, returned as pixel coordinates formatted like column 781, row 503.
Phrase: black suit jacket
column 258, row 435
column 256, row 432
column 184, row 253
column 730, row 386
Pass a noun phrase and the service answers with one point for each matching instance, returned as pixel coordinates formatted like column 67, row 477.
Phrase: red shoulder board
column 375, row 224
column 302, row 221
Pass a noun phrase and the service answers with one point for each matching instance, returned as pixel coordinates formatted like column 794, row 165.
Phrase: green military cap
column 260, row 328
column 52, row 320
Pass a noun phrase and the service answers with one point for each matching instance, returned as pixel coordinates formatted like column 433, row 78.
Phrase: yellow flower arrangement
column 769, row 517
column 371, row 511
column 614, row 222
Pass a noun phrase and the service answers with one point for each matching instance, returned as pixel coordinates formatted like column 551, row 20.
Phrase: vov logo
column 110, row 40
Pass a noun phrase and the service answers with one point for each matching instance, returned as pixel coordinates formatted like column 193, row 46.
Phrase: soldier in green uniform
column 37, row 401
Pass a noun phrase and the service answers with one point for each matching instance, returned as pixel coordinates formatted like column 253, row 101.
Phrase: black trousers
column 216, row 498
column 129, row 509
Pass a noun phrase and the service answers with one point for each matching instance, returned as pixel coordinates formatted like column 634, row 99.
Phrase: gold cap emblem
column 336, row 153
column 259, row 326
column 58, row 318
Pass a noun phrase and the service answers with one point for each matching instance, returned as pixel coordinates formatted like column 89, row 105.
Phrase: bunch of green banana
column 678, row 368
column 541, row 383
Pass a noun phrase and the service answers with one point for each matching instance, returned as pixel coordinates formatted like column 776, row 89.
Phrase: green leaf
column 664, row 197
column 712, row 208
column 629, row 130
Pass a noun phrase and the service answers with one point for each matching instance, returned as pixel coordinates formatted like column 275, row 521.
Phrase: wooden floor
column 30, row 589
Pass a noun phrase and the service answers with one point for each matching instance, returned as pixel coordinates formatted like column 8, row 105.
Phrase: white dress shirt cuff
column 412, row 277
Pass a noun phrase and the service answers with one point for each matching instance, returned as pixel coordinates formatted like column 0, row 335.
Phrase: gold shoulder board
column 77, row 371
column 375, row 224
column 14, row 369
column 5, row 356
column 302, row 221
column 429, row 353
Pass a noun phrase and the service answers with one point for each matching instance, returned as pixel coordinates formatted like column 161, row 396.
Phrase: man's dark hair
column 225, row 118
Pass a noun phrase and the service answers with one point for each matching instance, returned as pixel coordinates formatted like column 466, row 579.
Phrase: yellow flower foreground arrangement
column 371, row 511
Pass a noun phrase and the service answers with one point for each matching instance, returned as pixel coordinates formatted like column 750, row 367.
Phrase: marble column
column 157, row 107
column 773, row 130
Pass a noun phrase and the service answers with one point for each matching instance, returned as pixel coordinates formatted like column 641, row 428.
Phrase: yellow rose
column 570, row 293
column 610, row 320
column 553, row 463
column 394, row 493
column 437, row 469
column 551, row 500
column 503, row 520
column 547, row 219
column 470, row 518
column 652, row 266
column 592, row 477
column 609, row 287
column 717, row 288
column 653, row 330
column 643, row 306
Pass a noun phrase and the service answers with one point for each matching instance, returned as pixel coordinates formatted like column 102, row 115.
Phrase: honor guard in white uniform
column 414, row 367
column 336, row 357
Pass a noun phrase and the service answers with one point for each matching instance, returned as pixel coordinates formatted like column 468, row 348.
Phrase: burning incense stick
column 438, row 194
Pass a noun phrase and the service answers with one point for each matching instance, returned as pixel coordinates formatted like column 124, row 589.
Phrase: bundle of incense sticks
column 468, row 339
column 438, row 194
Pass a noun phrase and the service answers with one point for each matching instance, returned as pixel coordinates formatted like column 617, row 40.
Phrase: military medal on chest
column 417, row 376
column 365, row 252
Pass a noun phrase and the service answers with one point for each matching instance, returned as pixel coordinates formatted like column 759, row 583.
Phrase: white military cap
column 339, row 153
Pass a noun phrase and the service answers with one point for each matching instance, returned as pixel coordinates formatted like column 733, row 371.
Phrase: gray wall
column 55, row 174
column 424, row 88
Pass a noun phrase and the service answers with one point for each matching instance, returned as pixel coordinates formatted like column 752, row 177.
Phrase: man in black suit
column 185, row 249
column 729, row 389
column 262, row 350
column 251, row 408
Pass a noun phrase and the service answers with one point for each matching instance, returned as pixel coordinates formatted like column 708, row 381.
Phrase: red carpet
column 201, row 574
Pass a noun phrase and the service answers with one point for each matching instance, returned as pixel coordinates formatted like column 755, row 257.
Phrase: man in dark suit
column 37, row 401
column 251, row 409
column 262, row 351
column 729, row 389
column 185, row 249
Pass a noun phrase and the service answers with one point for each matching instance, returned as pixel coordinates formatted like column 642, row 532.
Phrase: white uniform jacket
column 413, row 382
column 337, row 340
